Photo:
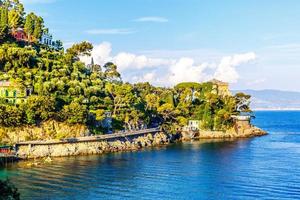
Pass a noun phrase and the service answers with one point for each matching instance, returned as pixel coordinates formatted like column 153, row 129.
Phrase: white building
column 47, row 39
column 193, row 125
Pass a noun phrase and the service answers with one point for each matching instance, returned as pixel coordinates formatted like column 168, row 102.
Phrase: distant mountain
column 273, row 99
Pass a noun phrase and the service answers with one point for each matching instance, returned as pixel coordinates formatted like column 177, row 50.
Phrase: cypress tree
column 38, row 28
column 14, row 19
column 29, row 25
column 3, row 22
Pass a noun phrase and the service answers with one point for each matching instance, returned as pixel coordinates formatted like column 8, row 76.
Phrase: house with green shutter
column 14, row 93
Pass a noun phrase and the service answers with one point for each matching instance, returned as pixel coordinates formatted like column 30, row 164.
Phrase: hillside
column 273, row 99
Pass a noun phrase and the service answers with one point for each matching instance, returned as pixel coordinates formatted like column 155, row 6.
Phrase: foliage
column 8, row 191
column 74, row 113
column 65, row 89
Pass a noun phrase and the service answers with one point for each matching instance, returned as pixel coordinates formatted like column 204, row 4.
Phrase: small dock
column 7, row 156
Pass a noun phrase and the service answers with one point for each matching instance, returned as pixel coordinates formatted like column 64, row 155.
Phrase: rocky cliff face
column 231, row 133
column 95, row 147
column 45, row 131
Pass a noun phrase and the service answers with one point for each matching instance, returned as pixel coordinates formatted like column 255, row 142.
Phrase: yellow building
column 13, row 92
column 221, row 88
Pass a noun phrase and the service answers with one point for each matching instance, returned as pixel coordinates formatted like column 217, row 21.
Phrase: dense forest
column 66, row 90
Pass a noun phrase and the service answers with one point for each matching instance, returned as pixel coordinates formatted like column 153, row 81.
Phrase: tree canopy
column 65, row 89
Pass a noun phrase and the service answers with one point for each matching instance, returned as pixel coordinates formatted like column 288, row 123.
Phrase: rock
column 94, row 147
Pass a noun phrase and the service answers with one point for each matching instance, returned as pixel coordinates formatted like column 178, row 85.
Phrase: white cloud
column 152, row 19
column 101, row 54
column 169, row 71
column 226, row 70
column 110, row 31
column 186, row 70
column 147, row 77
column 131, row 61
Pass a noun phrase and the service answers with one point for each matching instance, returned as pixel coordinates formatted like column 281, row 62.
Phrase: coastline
column 118, row 144
column 121, row 144
column 275, row 109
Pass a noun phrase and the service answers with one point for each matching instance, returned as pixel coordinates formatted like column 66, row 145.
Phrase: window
column 6, row 93
column 28, row 92
column 15, row 93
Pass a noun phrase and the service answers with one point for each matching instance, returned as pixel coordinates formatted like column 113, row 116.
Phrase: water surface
column 265, row 167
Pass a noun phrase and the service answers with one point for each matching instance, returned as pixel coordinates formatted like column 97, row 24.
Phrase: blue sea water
column 265, row 167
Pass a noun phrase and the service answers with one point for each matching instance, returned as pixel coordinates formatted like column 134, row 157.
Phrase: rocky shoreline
column 231, row 133
column 95, row 147
column 125, row 144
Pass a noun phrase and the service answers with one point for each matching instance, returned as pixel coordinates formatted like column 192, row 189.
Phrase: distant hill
column 273, row 99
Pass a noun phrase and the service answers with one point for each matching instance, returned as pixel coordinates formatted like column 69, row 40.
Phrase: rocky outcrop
column 231, row 133
column 94, row 147
column 44, row 131
column 59, row 149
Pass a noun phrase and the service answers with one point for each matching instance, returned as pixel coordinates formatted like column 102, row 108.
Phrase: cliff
column 231, row 133
column 93, row 147
column 45, row 131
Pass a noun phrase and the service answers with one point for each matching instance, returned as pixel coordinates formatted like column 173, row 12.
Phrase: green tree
column 242, row 102
column 39, row 108
column 152, row 102
column 3, row 22
column 11, row 116
column 73, row 53
column 74, row 113
column 111, row 73
column 29, row 25
column 59, row 45
column 14, row 19
column 38, row 27
column 122, row 96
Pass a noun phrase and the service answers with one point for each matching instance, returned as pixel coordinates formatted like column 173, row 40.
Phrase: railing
column 91, row 138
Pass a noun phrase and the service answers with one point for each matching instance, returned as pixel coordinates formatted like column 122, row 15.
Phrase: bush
column 74, row 113
column 11, row 116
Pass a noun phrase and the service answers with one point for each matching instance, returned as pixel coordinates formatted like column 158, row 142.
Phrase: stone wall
column 95, row 147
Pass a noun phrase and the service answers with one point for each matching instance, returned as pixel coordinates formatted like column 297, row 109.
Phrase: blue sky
column 251, row 43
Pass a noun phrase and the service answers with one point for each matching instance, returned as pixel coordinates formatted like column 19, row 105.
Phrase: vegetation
column 8, row 191
column 65, row 89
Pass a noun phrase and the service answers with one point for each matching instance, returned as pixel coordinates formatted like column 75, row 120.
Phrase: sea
column 266, row 167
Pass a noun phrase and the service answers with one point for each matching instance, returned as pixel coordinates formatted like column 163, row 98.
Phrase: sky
column 252, row 44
